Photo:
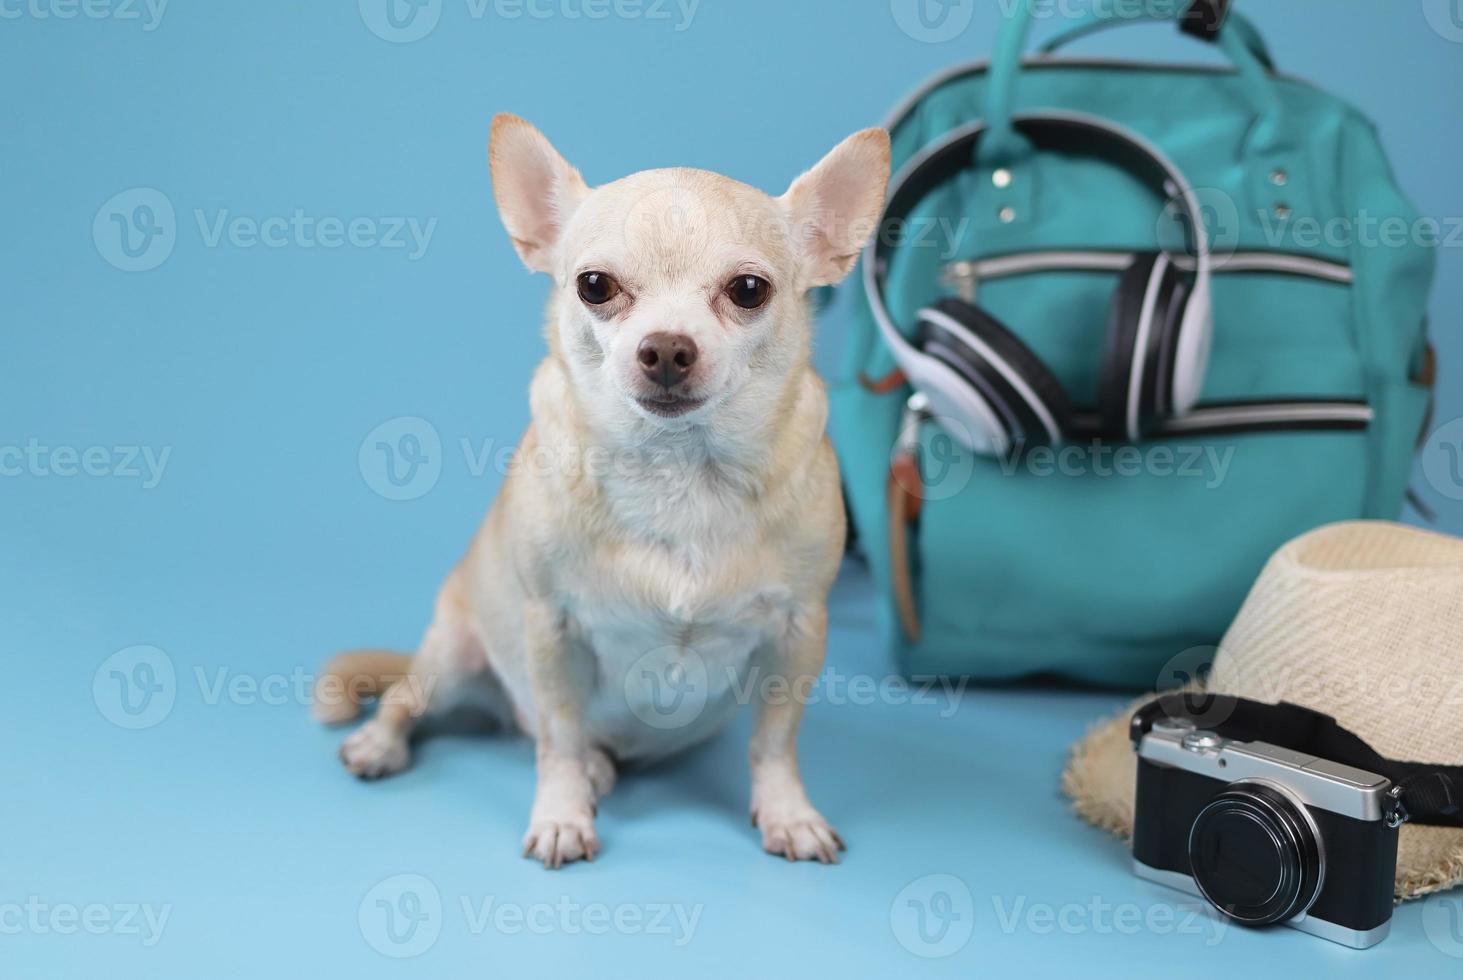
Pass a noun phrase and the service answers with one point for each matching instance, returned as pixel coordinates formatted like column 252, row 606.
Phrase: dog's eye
column 597, row 288
column 749, row 292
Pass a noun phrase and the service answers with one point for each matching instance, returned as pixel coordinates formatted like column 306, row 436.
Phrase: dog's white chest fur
column 670, row 676
column 673, row 617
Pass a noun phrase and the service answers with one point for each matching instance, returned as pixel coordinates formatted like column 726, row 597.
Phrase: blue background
column 265, row 544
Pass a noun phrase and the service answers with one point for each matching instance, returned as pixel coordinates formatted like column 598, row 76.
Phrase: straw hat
column 1362, row 621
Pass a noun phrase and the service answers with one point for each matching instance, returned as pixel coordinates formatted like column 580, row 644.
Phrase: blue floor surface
column 225, row 841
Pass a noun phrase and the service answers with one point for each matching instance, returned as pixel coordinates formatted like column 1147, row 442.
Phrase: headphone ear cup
column 1021, row 391
column 1141, row 346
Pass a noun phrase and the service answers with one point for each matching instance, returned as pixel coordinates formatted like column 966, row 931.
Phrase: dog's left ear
column 536, row 189
column 836, row 206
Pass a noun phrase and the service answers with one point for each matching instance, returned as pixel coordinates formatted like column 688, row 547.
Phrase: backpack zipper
column 1237, row 418
column 964, row 275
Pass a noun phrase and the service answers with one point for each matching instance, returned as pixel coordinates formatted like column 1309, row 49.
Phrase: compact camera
column 1265, row 834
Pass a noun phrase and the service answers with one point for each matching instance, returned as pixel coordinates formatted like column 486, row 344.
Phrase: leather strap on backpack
column 1427, row 372
column 1427, row 377
column 906, row 498
column 904, row 507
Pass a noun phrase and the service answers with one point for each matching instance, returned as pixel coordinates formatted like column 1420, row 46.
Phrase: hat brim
column 1101, row 778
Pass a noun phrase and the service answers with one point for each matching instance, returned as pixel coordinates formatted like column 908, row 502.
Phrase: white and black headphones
column 976, row 373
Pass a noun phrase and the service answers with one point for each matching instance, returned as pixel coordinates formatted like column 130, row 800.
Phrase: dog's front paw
column 561, row 839
column 799, row 834
column 374, row 751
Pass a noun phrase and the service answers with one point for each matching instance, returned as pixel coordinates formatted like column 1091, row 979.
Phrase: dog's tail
column 353, row 676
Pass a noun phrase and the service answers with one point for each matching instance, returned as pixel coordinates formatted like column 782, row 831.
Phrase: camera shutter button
column 1202, row 741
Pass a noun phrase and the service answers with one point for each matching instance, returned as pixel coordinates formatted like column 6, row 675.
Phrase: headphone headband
column 943, row 160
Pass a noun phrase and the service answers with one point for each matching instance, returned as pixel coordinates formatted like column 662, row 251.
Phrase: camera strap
column 1422, row 793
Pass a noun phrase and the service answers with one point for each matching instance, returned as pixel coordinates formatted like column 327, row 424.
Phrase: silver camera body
column 1265, row 834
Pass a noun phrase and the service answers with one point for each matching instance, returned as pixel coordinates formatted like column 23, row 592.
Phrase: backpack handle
column 1003, row 144
column 1100, row 19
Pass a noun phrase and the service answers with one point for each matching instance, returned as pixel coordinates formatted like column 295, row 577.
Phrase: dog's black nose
column 667, row 358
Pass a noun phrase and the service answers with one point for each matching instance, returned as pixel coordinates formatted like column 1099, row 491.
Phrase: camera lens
column 1255, row 856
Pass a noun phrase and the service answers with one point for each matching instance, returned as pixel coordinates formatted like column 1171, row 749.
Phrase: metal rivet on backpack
column 1282, row 211
column 1007, row 215
column 1279, row 177
column 1001, row 178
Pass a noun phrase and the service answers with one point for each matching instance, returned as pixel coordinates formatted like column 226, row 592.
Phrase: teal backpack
column 1141, row 466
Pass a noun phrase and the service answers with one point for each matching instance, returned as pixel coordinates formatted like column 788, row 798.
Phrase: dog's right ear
column 536, row 189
